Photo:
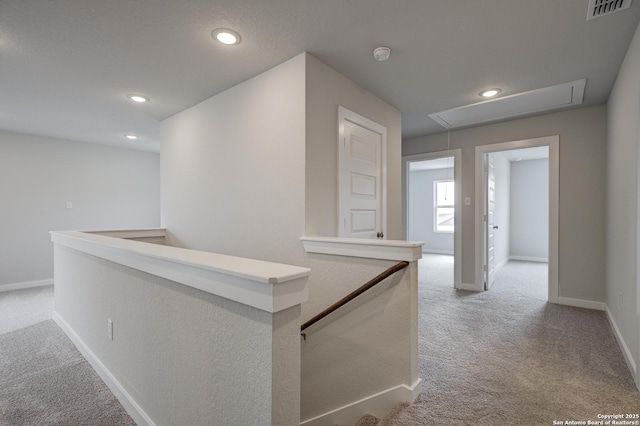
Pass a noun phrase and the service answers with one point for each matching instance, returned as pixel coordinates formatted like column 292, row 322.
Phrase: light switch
column 467, row 201
column 69, row 204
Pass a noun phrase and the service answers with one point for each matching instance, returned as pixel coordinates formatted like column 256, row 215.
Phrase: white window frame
column 436, row 206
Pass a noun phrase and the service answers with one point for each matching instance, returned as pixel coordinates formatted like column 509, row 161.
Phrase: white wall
column 233, row 169
column 250, row 170
column 582, row 187
column 530, row 209
column 184, row 356
column 421, row 211
column 109, row 188
column 325, row 90
column 623, row 199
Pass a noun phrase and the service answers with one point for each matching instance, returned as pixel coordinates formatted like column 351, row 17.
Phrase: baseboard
column 579, row 303
column 530, row 259
column 378, row 405
column 430, row 251
column 623, row 347
column 28, row 284
column 501, row 264
column 467, row 287
column 131, row 407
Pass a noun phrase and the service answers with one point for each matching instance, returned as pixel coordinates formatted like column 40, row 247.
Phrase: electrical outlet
column 110, row 329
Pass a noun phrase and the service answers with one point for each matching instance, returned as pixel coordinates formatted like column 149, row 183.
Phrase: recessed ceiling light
column 138, row 98
column 131, row 137
column 226, row 36
column 490, row 93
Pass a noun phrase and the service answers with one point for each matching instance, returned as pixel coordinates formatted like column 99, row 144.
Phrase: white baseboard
column 28, row 284
column 430, row 251
column 530, row 259
column 131, row 407
column 623, row 347
column 467, row 287
column 579, row 303
column 501, row 264
column 378, row 405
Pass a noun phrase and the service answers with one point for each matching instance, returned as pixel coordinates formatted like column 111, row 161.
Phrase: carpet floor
column 22, row 308
column 44, row 380
column 506, row 356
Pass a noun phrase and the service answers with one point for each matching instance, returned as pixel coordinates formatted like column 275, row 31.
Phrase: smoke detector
column 381, row 53
column 598, row 8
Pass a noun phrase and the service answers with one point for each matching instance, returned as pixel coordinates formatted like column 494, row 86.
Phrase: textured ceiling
column 67, row 65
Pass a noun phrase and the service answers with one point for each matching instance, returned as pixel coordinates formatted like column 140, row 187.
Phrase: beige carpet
column 506, row 356
column 22, row 308
column 44, row 380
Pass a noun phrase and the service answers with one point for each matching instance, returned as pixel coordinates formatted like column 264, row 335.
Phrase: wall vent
column 598, row 8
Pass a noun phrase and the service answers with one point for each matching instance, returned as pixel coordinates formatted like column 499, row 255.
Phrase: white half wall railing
column 183, row 336
column 408, row 251
column 146, row 235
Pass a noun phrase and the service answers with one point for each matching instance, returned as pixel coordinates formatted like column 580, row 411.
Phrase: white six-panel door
column 361, row 176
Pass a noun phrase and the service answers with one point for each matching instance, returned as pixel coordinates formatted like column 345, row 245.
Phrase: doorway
column 516, row 219
column 517, row 213
column 432, row 200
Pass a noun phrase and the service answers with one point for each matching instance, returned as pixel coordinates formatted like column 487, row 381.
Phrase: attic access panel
column 534, row 101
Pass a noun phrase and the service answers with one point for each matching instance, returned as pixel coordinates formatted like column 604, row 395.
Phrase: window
column 444, row 206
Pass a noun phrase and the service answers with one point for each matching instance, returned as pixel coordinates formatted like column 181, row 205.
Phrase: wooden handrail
column 348, row 298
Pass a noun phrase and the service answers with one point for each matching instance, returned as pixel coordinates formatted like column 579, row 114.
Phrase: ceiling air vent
column 598, row 8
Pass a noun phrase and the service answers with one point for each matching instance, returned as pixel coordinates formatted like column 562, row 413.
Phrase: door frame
column 553, row 142
column 345, row 114
column 457, row 220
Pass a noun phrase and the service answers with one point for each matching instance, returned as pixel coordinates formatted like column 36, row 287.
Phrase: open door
column 489, row 221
